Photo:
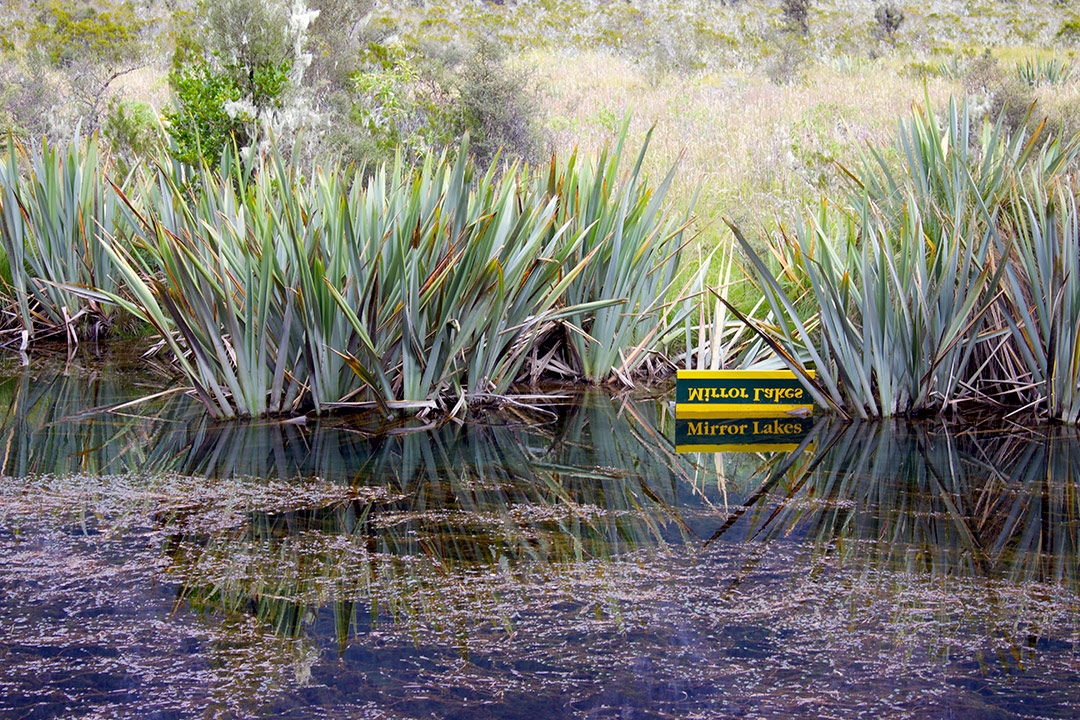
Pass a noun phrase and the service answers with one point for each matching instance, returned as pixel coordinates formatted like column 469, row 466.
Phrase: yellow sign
column 740, row 393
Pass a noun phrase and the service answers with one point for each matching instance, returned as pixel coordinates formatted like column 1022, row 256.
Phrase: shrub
column 796, row 16
column 91, row 44
column 236, row 82
column 200, row 123
column 782, row 67
column 103, row 33
column 1069, row 32
column 889, row 18
column 337, row 36
column 414, row 100
column 498, row 107
column 399, row 104
column 29, row 94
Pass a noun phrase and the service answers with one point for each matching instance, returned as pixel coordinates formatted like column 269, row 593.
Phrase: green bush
column 414, row 100
column 338, row 35
column 399, row 104
column 200, row 124
column 1069, row 32
column 232, row 71
column 253, row 43
column 498, row 108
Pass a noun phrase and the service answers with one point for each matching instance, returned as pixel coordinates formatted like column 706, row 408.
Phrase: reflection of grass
column 921, row 499
column 55, row 422
column 470, row 501
column 478, row 514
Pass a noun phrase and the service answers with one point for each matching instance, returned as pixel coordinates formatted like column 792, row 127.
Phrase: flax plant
column 1041, row 302
column 903, row 275
column 419, row 289
column 208, row 278
column 53, row 208
column 452, row 280
column 637, row 247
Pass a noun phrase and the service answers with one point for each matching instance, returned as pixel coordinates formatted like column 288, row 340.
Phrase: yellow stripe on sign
column 738, row 374
column 748, row 448
column 699, row 411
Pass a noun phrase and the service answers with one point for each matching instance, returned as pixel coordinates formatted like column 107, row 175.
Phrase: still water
column 531, row 564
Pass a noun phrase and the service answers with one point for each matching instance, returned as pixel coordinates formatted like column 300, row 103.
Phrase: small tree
column 230, row 86
column 498, row 107
column 889, row 18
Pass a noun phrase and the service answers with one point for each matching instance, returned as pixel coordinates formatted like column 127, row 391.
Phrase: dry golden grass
column 760, row 151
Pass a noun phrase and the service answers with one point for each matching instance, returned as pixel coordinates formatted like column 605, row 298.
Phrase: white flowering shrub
column 237, row 89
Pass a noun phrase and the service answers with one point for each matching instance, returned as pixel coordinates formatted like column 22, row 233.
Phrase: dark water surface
column 156, row 564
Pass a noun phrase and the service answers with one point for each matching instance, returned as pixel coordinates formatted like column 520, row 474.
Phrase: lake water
column 526, row 565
